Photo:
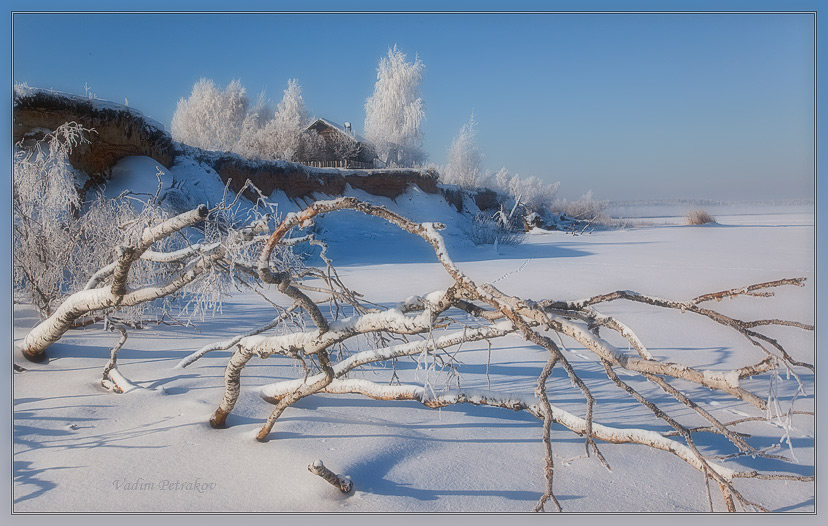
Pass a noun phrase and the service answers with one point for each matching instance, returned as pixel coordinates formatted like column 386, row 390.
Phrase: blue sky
column 632, row 106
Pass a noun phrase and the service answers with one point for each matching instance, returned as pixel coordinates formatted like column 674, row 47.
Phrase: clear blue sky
column 632, row 106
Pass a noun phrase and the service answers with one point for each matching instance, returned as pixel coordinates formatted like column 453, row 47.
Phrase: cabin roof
column 340, row 128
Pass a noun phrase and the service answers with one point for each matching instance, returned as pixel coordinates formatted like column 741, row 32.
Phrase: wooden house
column 343, row 147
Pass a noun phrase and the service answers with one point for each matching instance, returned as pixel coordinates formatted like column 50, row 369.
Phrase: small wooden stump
column 343, row 482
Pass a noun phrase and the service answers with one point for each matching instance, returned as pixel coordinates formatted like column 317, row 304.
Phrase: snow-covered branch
column 90, row 300
column 445, row 320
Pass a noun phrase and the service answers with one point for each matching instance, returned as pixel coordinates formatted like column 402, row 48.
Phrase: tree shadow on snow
column 402, row 249
column 807, row 503
column 375, row 473
column 714, row 444
column 69, row 438
column 26, row 475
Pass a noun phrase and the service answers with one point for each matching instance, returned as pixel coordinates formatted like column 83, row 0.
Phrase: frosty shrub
column 60, row 242
column 395, row 112
column 62, row 245
column 585, row 207
column 484, row 229
column 45, row 203
column 699, row 217
column 145, row 265
column 465, row 162
column 211, row 119
column 537, row 197
column 534, row 193
column 530, row 192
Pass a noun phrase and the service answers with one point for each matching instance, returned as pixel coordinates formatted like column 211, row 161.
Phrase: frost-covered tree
column 211, row 118
column 224, row 120
column 290, row 121
column 251, row 140
column 395, row 112
column 45, row 202
column 465, row 162
column 60, row 241
column 283, row 136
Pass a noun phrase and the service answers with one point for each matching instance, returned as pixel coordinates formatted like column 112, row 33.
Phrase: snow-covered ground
column 78, row 447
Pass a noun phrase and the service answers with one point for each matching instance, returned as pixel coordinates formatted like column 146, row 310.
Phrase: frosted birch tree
column 465, row 162
column 251, row 140
column 288, row 123
column 395, row 112
column 211, row 118
column 284, row 136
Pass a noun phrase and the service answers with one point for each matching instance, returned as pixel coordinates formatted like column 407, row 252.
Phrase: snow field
column 79, row 448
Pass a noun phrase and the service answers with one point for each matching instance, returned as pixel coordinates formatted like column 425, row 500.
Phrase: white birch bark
column 89, row 300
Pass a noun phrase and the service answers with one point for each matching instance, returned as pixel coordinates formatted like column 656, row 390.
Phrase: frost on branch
column 432, row 329
column 498, row 314
column 153, row 260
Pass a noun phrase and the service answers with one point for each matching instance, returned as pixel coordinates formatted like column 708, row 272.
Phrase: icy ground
column 80, row 448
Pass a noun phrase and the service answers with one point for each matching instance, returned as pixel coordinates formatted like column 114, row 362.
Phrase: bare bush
column 699, row 217
column 483, row 229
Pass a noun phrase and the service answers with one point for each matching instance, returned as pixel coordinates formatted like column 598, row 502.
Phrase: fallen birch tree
column 536, row 321
column 434, row 317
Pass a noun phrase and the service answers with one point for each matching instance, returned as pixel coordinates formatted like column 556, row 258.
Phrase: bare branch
column 342, row 483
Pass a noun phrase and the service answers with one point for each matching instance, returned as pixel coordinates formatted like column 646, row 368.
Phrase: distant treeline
column 709, row 202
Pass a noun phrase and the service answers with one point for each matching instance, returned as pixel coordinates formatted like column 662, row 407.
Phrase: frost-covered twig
column 226, row 344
